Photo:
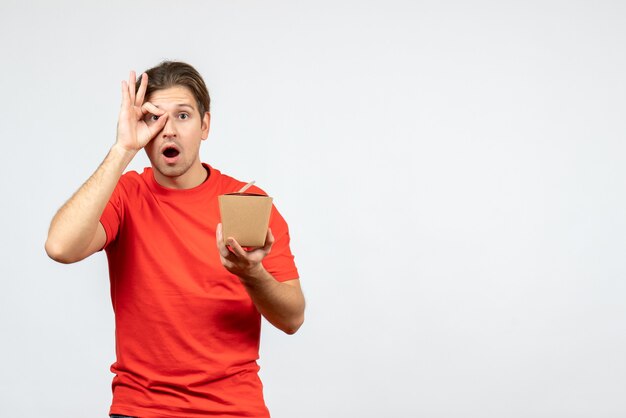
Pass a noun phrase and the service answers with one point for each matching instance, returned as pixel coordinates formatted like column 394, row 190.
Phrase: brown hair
column 175, row 73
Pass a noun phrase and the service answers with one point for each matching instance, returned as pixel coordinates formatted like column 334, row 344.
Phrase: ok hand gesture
column 133, row 133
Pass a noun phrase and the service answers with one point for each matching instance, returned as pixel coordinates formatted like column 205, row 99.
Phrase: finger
column 234, row 245
column 157, row 126
column 269, row 241
column 125, row 96
column 132, row 86
column 142, row 90
column 221, row 247
column 229, row 265
column 218, row 236
column 150, row 108
column 218, row 233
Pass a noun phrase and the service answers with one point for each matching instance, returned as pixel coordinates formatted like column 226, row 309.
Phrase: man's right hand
column 75, row 231
column 133, row 133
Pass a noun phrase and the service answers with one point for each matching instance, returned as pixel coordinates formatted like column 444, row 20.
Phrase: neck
column 193, row 177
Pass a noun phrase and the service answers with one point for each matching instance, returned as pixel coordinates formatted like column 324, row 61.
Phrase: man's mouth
column 170, row 152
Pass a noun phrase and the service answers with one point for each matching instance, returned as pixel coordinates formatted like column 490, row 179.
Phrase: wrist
column 125, row 154
column 255, row 275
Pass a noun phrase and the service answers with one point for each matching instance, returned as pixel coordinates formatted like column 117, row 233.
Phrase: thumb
column 158, row 125
column 269, row 241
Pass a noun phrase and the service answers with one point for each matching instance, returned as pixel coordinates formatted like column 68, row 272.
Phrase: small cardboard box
column 245, row 217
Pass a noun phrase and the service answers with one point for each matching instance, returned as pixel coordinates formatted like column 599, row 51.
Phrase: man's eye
column 183, row 116
column 154, row 117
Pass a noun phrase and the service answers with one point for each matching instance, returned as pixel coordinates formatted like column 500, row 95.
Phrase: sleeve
column 113, row 214
column 280, row 261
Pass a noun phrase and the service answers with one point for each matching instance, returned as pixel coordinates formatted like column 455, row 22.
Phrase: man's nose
column 169, row 129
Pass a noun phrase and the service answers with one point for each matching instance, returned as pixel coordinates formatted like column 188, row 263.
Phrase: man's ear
column 206, row 123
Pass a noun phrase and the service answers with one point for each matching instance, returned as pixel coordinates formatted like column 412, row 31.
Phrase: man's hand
column 133, row 133
column 281, row 303
column 245, row 264
column 75, row 231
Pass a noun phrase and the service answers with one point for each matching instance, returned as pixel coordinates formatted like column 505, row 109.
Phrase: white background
column 453, row 174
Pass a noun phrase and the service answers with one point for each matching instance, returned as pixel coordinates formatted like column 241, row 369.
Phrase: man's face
column 174, row 152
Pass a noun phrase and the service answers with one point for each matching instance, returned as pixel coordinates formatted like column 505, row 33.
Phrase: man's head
column 175, row 73
column 178, row 90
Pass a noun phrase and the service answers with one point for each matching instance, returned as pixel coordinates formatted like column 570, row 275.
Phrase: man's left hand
column 245, row 264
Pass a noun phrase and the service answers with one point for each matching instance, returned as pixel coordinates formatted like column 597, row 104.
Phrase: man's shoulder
column 132, row 177
column 229, row 184
column 131, row 182
column 225, row 183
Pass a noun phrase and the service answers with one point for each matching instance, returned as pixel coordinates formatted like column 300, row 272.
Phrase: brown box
column 245, row 217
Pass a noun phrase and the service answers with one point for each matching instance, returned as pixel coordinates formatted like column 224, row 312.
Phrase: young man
column 187, row 301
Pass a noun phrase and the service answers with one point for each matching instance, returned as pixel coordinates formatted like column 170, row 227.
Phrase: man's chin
column 171, row 171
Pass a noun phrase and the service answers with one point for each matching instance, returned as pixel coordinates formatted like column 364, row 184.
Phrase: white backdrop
column 453, row 174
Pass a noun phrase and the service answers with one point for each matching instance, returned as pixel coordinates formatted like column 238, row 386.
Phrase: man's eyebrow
column 180, row 105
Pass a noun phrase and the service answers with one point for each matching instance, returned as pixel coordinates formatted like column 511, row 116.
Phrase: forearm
column 282, row 304
column 74, row 226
